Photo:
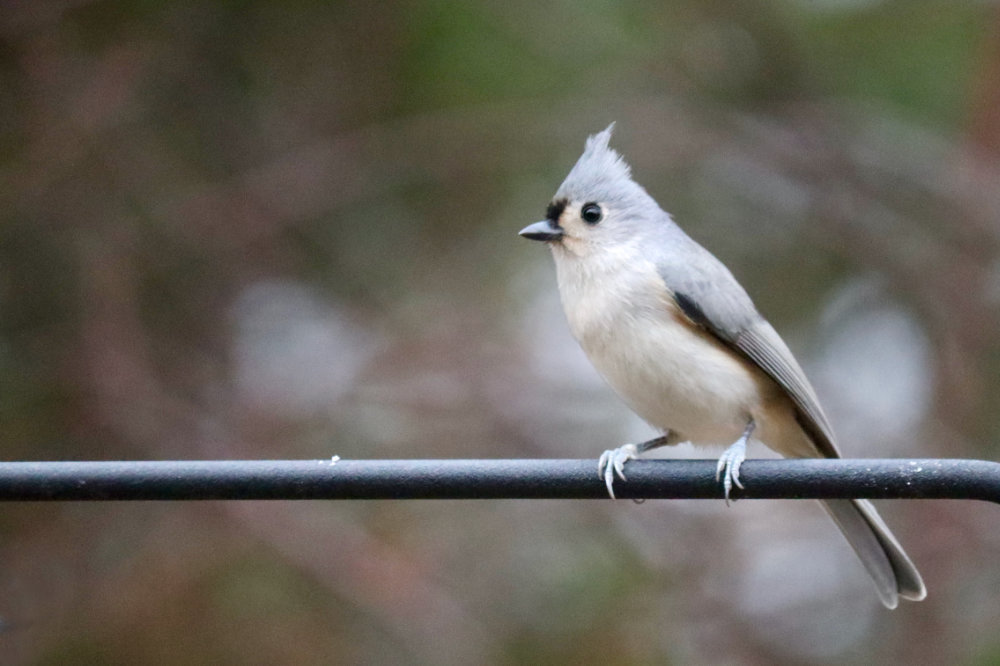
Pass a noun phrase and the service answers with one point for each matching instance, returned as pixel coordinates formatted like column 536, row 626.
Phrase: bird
column 681, row 342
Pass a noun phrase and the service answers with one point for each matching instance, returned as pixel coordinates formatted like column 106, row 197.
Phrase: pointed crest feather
column 601, row 174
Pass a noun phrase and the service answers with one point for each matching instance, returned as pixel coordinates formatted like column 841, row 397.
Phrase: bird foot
column 728, row 469
column 612, row 463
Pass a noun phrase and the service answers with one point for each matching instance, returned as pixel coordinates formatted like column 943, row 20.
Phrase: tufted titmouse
column 681, row 342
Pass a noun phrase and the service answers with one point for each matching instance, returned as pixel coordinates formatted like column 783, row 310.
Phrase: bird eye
column 591, row 213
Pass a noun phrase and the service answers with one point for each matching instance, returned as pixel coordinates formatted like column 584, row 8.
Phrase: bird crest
column 601, row 174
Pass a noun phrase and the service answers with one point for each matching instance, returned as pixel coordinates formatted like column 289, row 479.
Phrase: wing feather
column 762, row 345
column 730, row 316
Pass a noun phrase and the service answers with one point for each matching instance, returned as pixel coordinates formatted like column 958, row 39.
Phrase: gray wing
column 713, row 299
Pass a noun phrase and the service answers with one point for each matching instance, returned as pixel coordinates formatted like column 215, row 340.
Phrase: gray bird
column 680, row 341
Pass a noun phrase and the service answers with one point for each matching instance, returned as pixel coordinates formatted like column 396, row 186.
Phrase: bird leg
column 613, row 461
column 728, row 468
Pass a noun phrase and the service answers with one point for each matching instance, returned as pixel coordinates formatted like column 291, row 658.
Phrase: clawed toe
column 728, row 468
column 612, row 463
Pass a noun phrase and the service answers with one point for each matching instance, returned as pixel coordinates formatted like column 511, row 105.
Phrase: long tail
column 883, row 557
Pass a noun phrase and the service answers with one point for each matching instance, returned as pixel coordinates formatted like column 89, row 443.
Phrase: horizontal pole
column 493, row 479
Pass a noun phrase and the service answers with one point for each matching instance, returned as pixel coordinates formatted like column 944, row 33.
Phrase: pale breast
column 673, row 374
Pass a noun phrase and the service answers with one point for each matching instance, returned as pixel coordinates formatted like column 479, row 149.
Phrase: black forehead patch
column 555, row 210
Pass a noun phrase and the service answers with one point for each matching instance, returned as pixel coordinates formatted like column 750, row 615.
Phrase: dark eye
column 591, row 213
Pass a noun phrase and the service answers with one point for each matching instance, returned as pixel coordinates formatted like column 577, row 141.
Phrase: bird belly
column 679, row 378
column 675, row 375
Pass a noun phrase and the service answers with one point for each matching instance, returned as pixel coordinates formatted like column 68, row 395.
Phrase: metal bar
column 492, row 479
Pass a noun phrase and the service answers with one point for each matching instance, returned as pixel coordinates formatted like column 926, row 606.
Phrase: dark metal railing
column 493, row 479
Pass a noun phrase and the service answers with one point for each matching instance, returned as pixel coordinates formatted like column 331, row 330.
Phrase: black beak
column 545, row 230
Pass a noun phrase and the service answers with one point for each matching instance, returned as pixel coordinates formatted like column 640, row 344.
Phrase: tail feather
column 892, row 571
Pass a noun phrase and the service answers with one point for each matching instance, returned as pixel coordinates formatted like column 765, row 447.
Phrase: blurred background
column 289, row 230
